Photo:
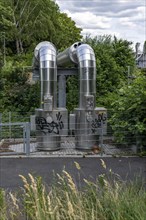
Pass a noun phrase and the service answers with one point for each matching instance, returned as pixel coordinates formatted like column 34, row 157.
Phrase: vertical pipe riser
column 50, row 121
column 48, row 73
column 87, row 71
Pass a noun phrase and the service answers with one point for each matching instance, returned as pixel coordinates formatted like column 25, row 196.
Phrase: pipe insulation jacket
column 45, row 61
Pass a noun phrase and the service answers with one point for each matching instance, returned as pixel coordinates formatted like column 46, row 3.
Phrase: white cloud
column 124, row 18
column 88, row 20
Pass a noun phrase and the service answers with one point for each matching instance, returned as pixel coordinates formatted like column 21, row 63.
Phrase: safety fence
column 17, row 137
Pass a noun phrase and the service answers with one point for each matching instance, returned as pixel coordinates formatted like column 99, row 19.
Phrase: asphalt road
column 10, row 168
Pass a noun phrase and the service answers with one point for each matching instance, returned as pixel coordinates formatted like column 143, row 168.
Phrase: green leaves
column 16, row 94
column 72, row 92
column 67, row 33
column 129, row 112
column 27, row 22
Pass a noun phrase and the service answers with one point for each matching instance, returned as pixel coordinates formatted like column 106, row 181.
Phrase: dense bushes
column 128, row 118
column 16, row 92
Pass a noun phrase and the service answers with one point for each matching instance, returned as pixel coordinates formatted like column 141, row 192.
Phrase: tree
column 32, row 21
column 67, row 33
column 123, row 53
column 29, row 19
column 5, row 17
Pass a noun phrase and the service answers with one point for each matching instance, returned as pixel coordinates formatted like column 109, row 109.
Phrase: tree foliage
column 16, row 92
column 27, row 22
column 128, row 118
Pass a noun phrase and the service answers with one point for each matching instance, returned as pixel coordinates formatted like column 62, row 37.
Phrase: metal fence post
column 101, row 138
column 10, row 128
column 24, row 137
column 27, row 132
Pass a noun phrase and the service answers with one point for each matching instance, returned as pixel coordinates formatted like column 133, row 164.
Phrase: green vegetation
column 16, row 93
column 106, row 198
column 2, row 205
column 28, row 22
column 128, row 118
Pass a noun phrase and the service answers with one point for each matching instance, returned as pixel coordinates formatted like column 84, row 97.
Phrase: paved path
column 10, row 168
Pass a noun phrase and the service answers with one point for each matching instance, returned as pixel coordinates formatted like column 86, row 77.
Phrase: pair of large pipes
column 52, row 122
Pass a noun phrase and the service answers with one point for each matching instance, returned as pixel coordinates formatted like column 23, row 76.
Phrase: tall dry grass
column 103, row 199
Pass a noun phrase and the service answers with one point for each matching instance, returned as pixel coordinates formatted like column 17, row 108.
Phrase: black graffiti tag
column 96, row 123
column 52, row 127
column 58, row 116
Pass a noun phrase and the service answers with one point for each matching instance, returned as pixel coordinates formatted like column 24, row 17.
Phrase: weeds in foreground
column 103, row 199
column 2, row 205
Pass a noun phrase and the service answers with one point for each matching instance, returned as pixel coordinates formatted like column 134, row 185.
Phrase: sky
column 125, row 19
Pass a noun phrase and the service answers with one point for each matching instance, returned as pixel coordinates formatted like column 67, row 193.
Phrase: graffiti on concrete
column 50, row 126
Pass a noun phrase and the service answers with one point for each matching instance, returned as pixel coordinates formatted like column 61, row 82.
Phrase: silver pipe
column 87, row 71
column 69, row 55
column 45, row 61
column 83, row 55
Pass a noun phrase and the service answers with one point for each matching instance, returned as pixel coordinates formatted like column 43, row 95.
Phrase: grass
column 2, row 205
column 102, row 199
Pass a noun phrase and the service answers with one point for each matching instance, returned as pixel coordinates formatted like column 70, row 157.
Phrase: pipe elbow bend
column 44, row 51
column 85, row 53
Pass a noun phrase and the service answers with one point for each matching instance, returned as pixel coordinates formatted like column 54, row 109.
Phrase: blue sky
column 124, row 18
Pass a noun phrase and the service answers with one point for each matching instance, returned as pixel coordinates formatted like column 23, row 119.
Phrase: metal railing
column 17, row 138
column 12, row 135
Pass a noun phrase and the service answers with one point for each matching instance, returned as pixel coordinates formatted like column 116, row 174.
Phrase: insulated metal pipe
column 83, row 55
column 69, row 55
column 50, row 121
column 45, row 61
column 87, row 72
